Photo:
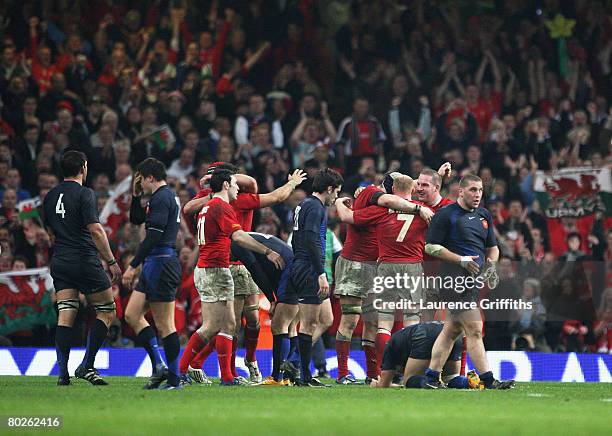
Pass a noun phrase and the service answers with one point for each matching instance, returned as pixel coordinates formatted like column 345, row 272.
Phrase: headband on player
column 388, row 181
column 213, row 166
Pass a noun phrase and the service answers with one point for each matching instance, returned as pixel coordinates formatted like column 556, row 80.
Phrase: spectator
column 183, row 166
column 13, row 181
column 529, row 327
column 359, row 135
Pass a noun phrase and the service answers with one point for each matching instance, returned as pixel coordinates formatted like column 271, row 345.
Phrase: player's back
column 274, row 244
column 310, row 217
column 164, row 215
column 401, row 236
column 361, row 243
column 68, row 209
column 403, row 340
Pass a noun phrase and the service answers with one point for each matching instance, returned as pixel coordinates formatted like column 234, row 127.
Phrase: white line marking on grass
column 539, row 395
column 607, row 400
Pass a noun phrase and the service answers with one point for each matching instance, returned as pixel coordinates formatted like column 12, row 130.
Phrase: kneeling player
column 409, row 350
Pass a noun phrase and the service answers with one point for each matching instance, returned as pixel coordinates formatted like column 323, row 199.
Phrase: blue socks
column 305, row 345
column 63, row 339
column 148, row 340
column 432, row 376
column 280, row 351
column 294, row 351
column 97, row 336
column 459, row 382
column 172, row 348
column 487, row 378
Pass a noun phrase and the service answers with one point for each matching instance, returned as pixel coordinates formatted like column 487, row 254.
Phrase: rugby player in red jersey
column 355, row 271
column 401, row 242
column 246, row 293
column 217, row 227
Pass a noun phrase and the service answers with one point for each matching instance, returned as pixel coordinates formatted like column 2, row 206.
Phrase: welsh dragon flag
column 25, row 300
column 29, row 208
column 115, row 211
column 575, row 193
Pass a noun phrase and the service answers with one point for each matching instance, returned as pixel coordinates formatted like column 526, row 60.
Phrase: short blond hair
column 403, row 183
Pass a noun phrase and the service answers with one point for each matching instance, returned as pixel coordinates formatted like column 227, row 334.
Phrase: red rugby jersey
column 401, row 236
column 361, row 244
column 216, row 223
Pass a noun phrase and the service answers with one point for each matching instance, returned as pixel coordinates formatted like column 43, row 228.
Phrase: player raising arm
column 400, row 239
column 71, row 214
column 217, row 227
column 161, row 271
column 246, row 293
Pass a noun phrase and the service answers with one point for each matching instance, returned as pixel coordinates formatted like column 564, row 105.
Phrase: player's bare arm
column 100, row 239
column 345, row 213
column 245, row 183
column 195, row 205
column 281, row 194
column 467, row 262
column 395, row 202
column 245, row 240
column 384, row 381
column 493, row 254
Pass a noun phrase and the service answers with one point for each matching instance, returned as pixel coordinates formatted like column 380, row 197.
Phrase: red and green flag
column 162, row 137
column 25, row 300
column 573, row 196
column 28, row 209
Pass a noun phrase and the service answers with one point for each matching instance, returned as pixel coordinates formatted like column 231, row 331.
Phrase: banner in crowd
column 577, row 193
column 115, row 211
column 25, row 300
column 518, row 365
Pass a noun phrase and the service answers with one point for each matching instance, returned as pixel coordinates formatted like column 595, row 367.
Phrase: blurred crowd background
column 502, row 89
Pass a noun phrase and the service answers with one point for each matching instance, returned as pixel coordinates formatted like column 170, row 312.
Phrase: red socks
column 382, row 337
column 233, row 360
column 251, row 336
column 198, row 361
column 370, row 355
column 224, row 354
column 195, row 344
column 342, row 352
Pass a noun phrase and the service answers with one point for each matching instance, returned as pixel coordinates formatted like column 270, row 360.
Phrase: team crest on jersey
column 485, row 223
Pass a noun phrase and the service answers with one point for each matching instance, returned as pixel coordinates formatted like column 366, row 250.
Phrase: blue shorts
column 160, row 277
column 283, row 293
column 303, row 286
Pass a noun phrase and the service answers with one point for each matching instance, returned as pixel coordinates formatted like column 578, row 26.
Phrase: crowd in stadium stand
column 359, row 86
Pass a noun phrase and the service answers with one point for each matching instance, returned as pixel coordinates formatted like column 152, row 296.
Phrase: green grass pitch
column 124, row 408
